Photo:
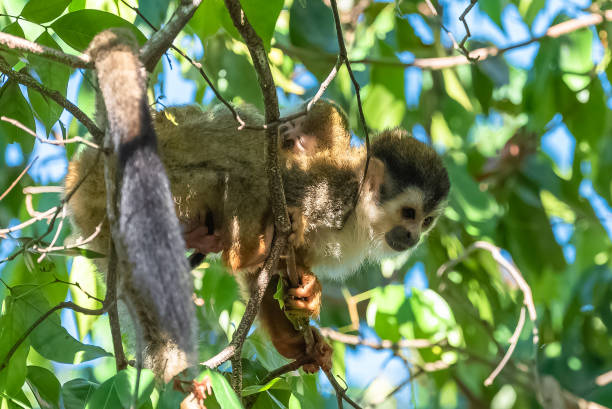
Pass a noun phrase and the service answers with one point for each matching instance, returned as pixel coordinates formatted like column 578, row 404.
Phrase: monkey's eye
column 408, row 213
column 428, row 221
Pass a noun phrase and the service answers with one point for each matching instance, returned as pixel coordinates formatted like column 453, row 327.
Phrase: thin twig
column 383, row 344
column 343, row 55
column 513, row 341
column 23, row 172
column 521, row 283
column 30, row 82
column 465, row 25
column 55, row 236
column 340, row 391
column 197, row 66
column 8, row 41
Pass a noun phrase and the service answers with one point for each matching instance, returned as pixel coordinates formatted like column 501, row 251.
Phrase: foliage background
column 526, row 138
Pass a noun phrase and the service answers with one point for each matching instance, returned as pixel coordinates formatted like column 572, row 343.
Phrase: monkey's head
column 412, row 188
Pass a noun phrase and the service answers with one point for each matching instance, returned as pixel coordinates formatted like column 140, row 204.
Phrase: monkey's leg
column 288, row 341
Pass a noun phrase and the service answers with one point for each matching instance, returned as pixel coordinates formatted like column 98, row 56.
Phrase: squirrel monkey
column 220, row 188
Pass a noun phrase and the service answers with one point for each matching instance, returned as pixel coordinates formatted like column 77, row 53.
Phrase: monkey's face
column 405, row 219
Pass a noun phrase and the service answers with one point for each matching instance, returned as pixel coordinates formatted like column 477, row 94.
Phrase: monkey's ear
column 376, row 174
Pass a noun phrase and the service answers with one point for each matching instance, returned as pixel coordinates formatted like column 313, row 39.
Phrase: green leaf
column 105, row 397
column 46, row 385
column 14, row 106
column 262, row 14
column 41, row 11
column 222, row 390
column 125, row 384
column 279, row 295
column 207, row 19
column 84, row 272
column 13, row 324
column 49, row 338
column 78, row 28
column 253, row 389
column 76, row 393
column 54, row 76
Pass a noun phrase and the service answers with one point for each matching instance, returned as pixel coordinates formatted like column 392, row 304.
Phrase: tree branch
column 482, row 54
column 30, row 82
column 162, row 39
column 8, row 41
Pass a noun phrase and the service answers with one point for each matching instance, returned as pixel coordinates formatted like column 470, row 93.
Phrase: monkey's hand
column 304, row 301
column 203, row 238
column 301, row 304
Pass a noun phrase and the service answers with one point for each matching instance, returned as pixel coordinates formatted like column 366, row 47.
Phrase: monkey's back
column 211, row 165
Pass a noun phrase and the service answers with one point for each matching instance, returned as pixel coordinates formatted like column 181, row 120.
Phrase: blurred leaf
column 594, row 107
column 155, row 11
column 125, row 384
column 302, row 19
column 483, row 88
column 455, row 90
column 41, row 11
column 528, row 236
column 533, row 7
column 14, row 106
column 46, row 385
column 78, row 28
column 55, row 77
column 387, row 309
column 493, row 8
column 576, row 57
column 76, row 393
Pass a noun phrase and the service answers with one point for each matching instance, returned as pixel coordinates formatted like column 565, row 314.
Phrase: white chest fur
column 338, row 253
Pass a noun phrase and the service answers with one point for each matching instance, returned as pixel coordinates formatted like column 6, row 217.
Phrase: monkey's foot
column 305, row 300
column 201, row 240
column 320, row 352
